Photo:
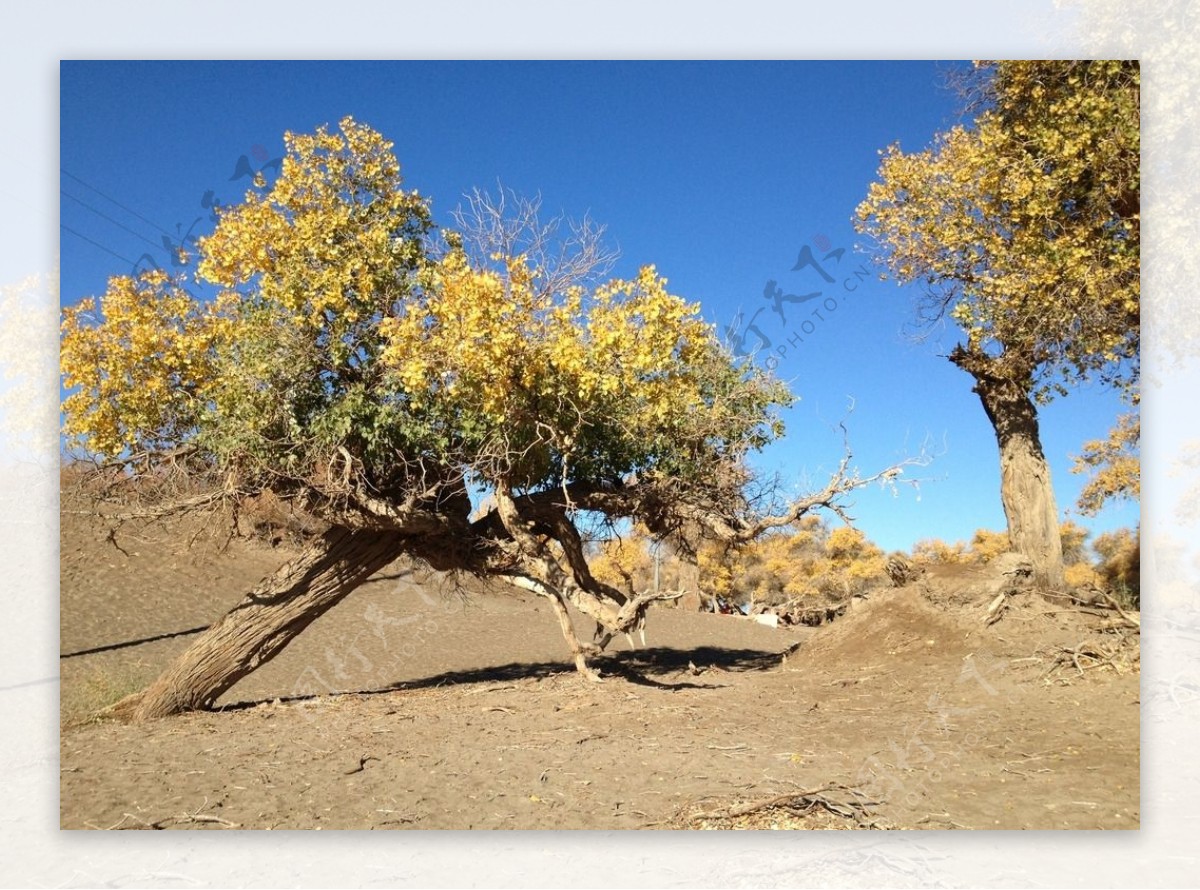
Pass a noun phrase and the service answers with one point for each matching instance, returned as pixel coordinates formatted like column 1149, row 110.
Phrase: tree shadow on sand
column 126, row 644
column 642, row 667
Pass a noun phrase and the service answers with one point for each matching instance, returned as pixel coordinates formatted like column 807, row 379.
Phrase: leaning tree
column 1024, row 229
column 389, row 383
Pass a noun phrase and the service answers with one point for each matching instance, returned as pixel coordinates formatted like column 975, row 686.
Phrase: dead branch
column 1128, row 619
column 173, row 508
column 996, row 610
column 856, row 807
column 194, row 817
column 844, row 481
column 565, row 252
column 1131, row 619
column 1086, row 656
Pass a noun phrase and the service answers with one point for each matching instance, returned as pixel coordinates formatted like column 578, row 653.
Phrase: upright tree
column 374, row 377
column 1023, row 228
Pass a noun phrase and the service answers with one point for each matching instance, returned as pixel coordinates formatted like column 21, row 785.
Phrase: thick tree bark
column 1025, row 486
column 265, row 621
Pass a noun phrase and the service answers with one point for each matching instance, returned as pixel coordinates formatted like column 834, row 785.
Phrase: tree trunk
column 265, row 621
column 1025, row 487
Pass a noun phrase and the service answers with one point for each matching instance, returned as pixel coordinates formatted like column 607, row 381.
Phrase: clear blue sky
column 718, row 173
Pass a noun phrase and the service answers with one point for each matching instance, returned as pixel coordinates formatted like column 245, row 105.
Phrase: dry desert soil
column 421, row 702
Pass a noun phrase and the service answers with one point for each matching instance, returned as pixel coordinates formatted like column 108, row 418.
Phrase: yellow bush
column 933, row 551
column 1120, row 566
column 986, row 545
column 1080, row 574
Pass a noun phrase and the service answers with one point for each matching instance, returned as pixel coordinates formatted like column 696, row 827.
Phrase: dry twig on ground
column 849, row 804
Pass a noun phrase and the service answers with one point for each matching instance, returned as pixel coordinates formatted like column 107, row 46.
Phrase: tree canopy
column 383, row 376
column 1024, row 227
column 346, row 359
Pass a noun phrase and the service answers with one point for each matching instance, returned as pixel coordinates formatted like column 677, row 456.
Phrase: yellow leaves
column 850, row 552
column 321, row 242
column 807, row 560
column 986, row 544
column 716, row 569
column 1023, row 224
column 623, row 562
column 848, row 543
column 1114, row 464
column 1081, row 575
column 141, row 371
column 465, row 333
column 932, row 551
column 306, row 269
column 1120, row 562
column 512, row 350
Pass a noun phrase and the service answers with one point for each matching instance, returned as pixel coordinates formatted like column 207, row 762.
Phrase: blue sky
column 718, row 173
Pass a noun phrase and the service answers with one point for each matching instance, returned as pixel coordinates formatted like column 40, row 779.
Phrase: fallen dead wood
column 181, row 819
column 194, row 817
column 998, row 607
column 1089, row 655
column 852, row 804
column 1133, row 620
column 1098, row 599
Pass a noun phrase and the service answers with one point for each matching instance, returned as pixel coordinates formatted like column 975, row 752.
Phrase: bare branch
column 567, row 252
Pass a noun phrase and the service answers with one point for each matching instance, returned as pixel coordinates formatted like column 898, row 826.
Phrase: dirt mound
column 1020, row 617
column 889, row 623
column 966, row 587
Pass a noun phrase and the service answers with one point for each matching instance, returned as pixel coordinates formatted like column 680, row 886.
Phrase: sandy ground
column 418, row 704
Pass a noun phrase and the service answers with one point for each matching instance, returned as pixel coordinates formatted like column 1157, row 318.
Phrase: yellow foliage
column 986, row 545
column 325, row 243
column 544, row 381
column 263, row 371
column 806, row 560
column 1121, row 561
column 497, row 345
column 622, row 562
column 715, row 563
column 936, row 552
column 1024, row 227
column 1114, row 464
column 142, row 375
column 1081, row 574
column 848, row 543
column 854, row 557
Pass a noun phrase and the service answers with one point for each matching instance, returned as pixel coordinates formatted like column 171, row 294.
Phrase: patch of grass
column 100, row 687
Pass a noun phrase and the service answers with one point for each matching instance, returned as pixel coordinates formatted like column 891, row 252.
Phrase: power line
column 115, row 222
column 67, row 228
column 106, row 197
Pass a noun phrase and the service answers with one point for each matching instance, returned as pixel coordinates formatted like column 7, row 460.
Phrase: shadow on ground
column 638, row 666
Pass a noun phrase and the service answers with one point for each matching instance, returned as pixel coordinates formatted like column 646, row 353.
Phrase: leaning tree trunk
column 1025, row 487
column 265, row 621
